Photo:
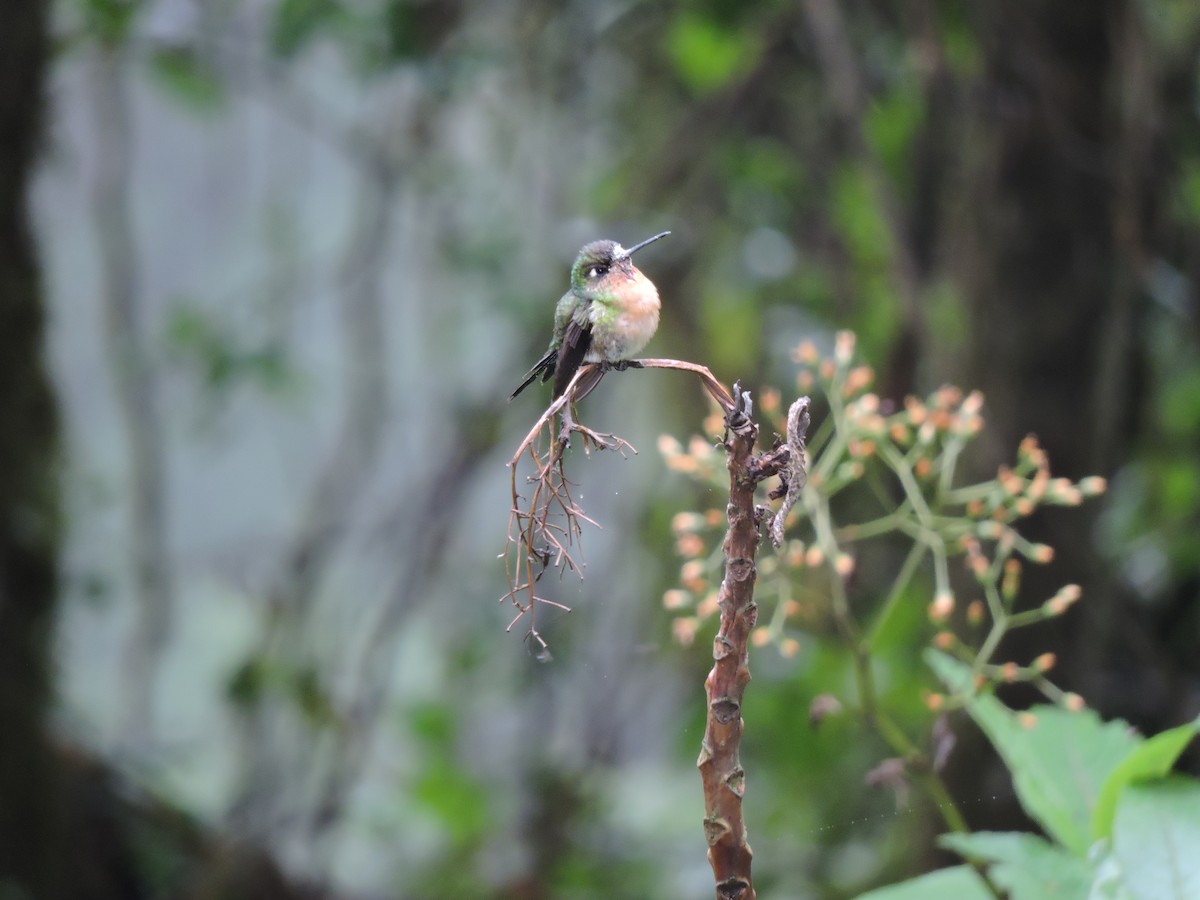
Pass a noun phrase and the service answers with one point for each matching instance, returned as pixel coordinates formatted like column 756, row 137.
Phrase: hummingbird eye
column 596, row 271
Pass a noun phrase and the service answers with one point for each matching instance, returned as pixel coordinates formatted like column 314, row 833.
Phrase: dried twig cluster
column 545, row 521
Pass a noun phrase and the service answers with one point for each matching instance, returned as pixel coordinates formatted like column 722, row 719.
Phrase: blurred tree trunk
column 1062, row 197
column 66, row 829
column 1058, row 202
column 32, row 845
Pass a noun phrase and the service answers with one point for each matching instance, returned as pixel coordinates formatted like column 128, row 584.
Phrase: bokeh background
column 293, row 256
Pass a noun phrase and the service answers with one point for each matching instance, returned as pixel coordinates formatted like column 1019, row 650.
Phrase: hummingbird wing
column 543, row 367
column 577, row 340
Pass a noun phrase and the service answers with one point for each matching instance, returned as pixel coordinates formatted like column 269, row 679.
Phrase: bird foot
column 602, row 440
column 592, row 440
column 568, row 425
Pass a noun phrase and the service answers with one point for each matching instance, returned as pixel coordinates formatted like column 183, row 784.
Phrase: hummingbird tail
column 543, row 367
column 588, row 383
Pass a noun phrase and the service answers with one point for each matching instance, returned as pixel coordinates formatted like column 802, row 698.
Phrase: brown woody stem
column 719, row 763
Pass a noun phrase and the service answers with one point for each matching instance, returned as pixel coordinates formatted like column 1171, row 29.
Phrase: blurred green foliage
column 109, row 21
column 188, row 79
column 223, row 358
column 458, row 802
column 709, row 54
column 297, row 22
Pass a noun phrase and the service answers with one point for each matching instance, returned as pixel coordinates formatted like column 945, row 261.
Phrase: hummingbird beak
column 625, row 254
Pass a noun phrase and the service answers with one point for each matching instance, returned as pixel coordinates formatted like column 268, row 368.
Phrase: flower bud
column 941, row 607
column 676, row 599
column 1045, row 662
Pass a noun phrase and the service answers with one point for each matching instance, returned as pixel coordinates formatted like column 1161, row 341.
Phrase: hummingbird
column 609, row 314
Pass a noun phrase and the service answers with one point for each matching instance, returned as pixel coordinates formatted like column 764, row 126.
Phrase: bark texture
column 720, row 765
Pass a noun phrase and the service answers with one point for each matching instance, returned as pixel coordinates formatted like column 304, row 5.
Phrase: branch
column 720, row 767
column 717, row 390
column 543, row 530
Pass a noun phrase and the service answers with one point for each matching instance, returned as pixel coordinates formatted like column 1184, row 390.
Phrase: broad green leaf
column 1152, row 759
column 1156, row 838
column 1026, row 865
column 1107, row 883
column 1059, row 759
column 955, row 883
column 955, row 675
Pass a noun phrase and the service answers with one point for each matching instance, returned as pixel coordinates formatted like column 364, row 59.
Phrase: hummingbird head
column 600, row 260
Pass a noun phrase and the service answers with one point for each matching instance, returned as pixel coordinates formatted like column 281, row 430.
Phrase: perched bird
column 609, row 314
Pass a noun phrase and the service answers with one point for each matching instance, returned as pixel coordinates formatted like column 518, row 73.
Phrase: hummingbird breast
column 624, row 322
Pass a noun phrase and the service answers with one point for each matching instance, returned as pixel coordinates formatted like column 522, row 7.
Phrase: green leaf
column 298, row 21
column 1026, row 865
column 434, row 725
column 955, row 675
column 246, row 685
column 311, row 697
column 858, row 216
column 110, row 20
column 1107, row 882
column 1179, row 402
column 455, row 799
column 1187, row 192
column 708, row 55
column 1152, row 759
column 181, row 74
column 1156, row 838
column 1059, row 759
column 956, row 883
column 890, row 123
